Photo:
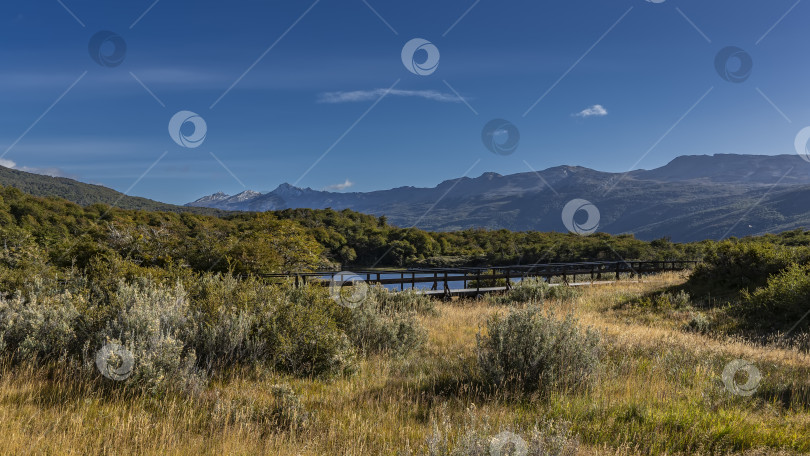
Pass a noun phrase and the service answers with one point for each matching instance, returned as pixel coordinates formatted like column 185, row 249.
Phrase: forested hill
column 38, row 235
column 84, row 194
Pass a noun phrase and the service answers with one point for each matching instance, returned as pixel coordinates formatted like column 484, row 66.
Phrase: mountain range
column 691, row 198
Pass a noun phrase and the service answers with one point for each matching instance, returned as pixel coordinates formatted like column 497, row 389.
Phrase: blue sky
column 649, row 81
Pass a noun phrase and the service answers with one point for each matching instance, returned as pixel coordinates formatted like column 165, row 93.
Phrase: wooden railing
column 476, row 279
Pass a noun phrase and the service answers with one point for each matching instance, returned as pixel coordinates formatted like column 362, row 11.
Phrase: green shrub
column 665, row 301
column 533, row 351
column 699, row 323
column 529, row 290
column 562, row 292
column 732, row 266
column 486, row 281
column 782, row 303
column 302, row 329
column 534, row 290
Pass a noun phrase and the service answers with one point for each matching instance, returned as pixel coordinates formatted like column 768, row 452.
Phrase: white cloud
column 53, row 172
column 339, row 187
column 593, row 111
column 370, row 95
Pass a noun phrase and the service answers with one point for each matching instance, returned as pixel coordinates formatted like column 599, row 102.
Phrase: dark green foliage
column 731, row 266
column 782, row 303
column 665, row 301
column 363, row 240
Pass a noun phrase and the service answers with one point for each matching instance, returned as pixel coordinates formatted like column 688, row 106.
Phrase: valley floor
column 660, row 391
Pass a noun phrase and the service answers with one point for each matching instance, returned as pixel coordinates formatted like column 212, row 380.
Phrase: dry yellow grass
column 658, row 378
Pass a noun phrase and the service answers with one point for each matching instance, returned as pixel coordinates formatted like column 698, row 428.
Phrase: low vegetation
column 151, row 333
column 582, row 376
column 532, row 352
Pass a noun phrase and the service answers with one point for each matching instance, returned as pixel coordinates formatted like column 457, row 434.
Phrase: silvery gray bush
column 405, row 301
column 175, row 338
column 38, row 330
column 154, row 323
column 394, row 333
column 534, row 351
column 534, row 290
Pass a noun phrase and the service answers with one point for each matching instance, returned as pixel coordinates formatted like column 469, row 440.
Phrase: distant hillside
column 691, row 198
column 84, row 194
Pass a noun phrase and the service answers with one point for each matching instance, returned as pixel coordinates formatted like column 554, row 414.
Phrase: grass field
column 660, row 390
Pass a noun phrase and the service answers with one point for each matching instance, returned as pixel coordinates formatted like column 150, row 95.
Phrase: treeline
column 351, row 238
column 54, row 233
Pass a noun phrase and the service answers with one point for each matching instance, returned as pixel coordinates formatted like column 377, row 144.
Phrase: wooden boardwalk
column 475, row 281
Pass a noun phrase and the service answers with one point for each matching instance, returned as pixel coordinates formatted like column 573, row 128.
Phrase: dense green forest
column 61, row 234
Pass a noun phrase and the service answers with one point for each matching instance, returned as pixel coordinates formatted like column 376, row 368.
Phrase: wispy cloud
column 370, row 95
column 339, row 187
column 53, row 172
column 593, row 111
